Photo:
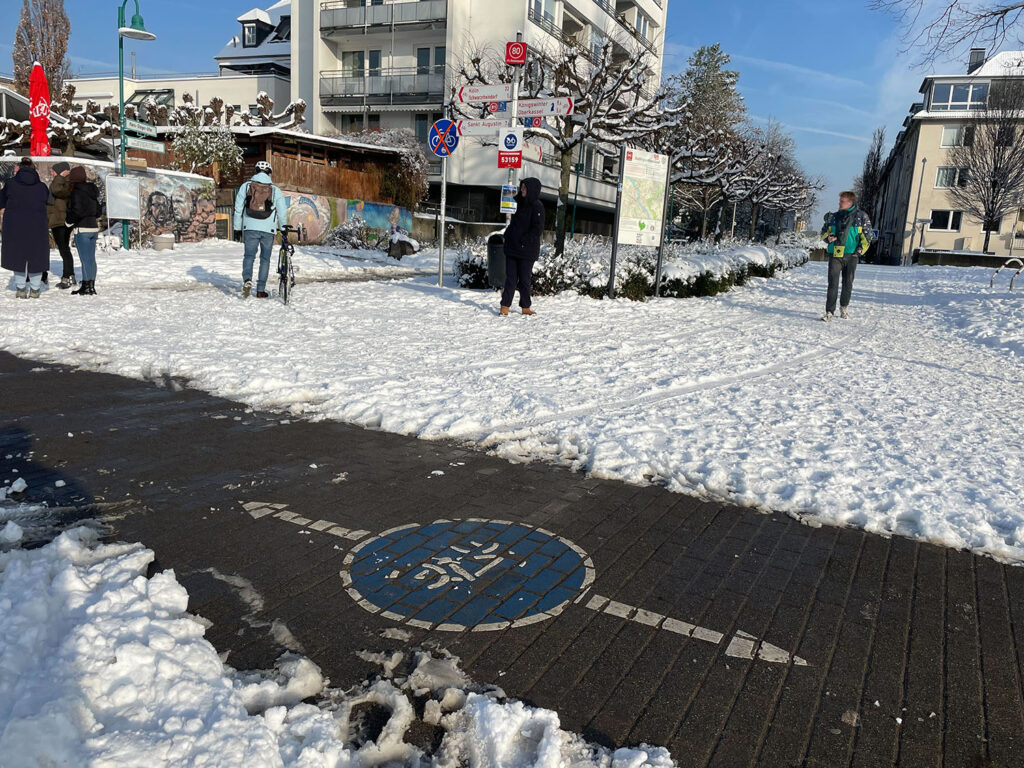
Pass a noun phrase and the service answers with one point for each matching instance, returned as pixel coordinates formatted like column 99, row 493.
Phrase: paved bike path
column 731, row 637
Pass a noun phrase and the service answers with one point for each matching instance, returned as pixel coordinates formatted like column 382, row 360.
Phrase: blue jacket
column 272, row 223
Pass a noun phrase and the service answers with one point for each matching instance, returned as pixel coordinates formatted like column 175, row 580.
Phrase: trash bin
column 163, row 242
column 496, row 260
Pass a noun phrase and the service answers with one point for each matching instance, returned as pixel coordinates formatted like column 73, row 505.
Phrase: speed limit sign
column 515, row 54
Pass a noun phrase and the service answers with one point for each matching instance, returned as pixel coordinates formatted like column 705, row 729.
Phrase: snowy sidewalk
column 639, row 615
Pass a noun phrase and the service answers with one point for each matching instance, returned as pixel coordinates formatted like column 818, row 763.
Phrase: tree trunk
column 988, row 236
column 719, row 234
column 562, row 209
column 755, row 214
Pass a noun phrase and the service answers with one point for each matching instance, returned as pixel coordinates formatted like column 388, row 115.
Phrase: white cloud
column 801, row 72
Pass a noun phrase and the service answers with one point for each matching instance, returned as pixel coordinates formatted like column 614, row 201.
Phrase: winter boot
column 67, row 282
column 827, row 317
column 503, row 311
column 83, row 288
column 21, row 293
column 33, row 294
column 262, row 295
column 528, row 311
column 843, row 313
column 46, row 278
column 92, row 287
column 246, row 289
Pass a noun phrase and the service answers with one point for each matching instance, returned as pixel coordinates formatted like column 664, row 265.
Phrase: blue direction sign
column 443, row 138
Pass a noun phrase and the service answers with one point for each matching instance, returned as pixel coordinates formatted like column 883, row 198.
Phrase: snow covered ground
column 903, row 419
column 900, row 420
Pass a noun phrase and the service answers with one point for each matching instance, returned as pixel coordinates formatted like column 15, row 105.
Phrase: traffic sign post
column 442, row 140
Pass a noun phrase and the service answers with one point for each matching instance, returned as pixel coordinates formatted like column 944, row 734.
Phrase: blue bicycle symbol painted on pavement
column 459, row 574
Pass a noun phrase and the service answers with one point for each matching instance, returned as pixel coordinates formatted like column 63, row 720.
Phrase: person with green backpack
column 260, row 210
column 848, row 233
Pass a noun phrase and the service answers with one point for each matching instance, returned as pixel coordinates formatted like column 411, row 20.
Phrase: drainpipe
column 917, row 210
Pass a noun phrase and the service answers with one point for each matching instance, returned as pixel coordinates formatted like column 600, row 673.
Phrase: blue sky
column 829, row 72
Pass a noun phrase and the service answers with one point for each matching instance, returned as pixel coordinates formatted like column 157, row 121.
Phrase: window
column 948, row 176
column 1006, row 135
column 597, row 41
column 994, row 229
column 422, row 128
column 422, row 61
column 946, row 221
column 957, row 135
column 544, row 9
column 373, row 122
column 237, row 108
column 352, row 63
column 248, row 35
column 643, row 26
column 959, row 96
column 374, row 63
column 439, row 59
column 254, row 110
column 351, row 123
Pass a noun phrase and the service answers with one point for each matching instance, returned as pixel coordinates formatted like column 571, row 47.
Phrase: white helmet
column 262, row 166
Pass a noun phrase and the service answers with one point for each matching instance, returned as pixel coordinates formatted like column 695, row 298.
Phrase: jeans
column 846, row 267
column 24, row 279
column 254, row 239
column 85, row 242
column 518, row 274
column 62, row 237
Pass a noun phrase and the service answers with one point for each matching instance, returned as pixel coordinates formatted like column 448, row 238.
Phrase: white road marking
column 741, row 645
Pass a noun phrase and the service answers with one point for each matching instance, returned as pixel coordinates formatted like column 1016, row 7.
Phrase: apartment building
column 914, row 212
column 377, row 64
column 256, row 59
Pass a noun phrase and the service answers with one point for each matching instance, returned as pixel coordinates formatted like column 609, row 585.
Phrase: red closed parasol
column 39, row 111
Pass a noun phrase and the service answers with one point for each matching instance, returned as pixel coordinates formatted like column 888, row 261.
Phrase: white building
column 390, row 65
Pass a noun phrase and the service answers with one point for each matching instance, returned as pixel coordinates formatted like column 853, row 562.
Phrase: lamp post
column 136, row 31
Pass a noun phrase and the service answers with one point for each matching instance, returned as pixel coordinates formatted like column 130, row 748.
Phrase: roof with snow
column 1005, row 64
column 277, row 46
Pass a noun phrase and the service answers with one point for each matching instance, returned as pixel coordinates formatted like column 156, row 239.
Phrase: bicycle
column 285, row 267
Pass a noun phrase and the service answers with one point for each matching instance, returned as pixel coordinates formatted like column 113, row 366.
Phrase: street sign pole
column 512, row 122
column 664, row 227
column 615, row 234
column 444, row 200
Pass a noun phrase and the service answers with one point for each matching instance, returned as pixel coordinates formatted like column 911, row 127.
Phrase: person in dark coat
column 57, row 211
column 522, row 245
column 84, row 211
column 26, row 244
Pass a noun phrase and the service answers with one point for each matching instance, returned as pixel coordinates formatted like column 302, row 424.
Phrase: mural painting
column 311, row 212
column 380, row 216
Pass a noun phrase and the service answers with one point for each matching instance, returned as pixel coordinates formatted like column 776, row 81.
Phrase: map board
column 643, row 198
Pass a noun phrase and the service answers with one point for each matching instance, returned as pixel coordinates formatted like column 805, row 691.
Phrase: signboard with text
column 510, row 159
column 146, row 144
column 508, row 198
column 480, row 127
column 643, row 198
column 501, row 92
column 515, row 54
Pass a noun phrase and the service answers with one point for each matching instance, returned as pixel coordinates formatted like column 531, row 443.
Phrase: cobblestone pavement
column 731, row 637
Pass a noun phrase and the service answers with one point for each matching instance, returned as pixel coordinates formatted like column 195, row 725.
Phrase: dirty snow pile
column 101, row 664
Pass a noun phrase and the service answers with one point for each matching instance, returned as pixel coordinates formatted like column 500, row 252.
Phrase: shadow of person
column 229, row 284
column 50, row 500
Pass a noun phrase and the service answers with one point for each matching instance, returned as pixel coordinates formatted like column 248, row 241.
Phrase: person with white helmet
column 260, row 210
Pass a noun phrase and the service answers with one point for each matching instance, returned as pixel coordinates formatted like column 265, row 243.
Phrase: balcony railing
column 549, row 26
column 412, row 85
column 335, row 14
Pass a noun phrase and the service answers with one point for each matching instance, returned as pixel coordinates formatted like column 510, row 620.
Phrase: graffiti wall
column 318, row 215
column 175, row 203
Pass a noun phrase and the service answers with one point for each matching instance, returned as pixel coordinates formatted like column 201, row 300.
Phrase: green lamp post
column 136, row 31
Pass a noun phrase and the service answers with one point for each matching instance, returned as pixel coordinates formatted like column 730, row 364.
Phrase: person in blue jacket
column 522, row 246
column 848, row 233
column 260, row 210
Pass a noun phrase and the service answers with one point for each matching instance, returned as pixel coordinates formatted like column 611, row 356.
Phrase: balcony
column 336, row 16
column 410, row 85
column 565, row 36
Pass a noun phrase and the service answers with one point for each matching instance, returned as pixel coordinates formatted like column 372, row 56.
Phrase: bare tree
column 614, row 104
column 42, row 35
column 990, row 154
column 936, row 29
column 867, row 184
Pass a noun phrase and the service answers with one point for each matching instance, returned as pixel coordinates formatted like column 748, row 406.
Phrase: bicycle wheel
column 284, row 284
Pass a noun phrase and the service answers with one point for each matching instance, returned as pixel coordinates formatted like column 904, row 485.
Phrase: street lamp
column 136, row 31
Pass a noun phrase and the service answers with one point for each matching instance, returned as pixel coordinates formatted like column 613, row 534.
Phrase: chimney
column 976, row 60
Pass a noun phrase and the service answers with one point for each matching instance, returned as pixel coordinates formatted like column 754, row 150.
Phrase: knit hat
column 61, row 167
column 77, row 175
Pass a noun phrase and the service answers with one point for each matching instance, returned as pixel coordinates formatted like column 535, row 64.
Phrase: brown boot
column 503, row 311
column 528, row 311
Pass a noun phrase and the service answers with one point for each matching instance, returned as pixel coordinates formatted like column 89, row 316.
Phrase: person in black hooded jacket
column 522, row 246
